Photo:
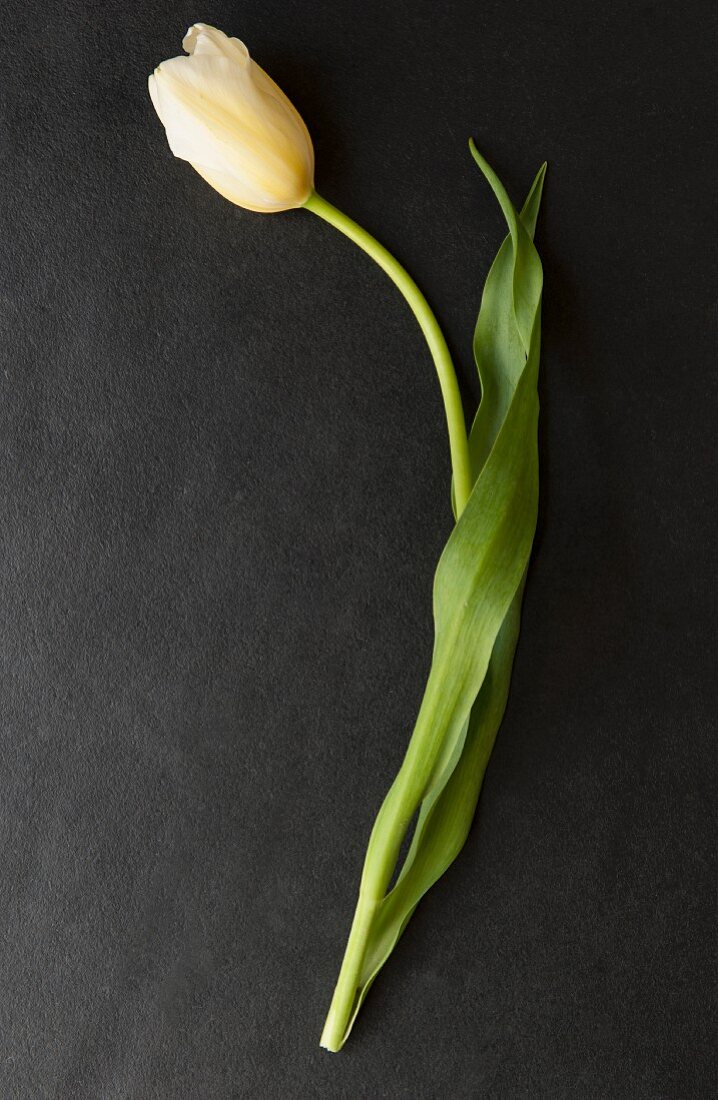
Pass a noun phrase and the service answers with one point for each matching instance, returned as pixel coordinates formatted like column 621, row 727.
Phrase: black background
column 224, row 489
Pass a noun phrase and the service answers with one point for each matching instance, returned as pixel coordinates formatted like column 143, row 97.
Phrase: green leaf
column 477, row 597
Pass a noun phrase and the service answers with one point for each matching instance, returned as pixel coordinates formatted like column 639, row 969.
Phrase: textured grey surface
column 224, row 488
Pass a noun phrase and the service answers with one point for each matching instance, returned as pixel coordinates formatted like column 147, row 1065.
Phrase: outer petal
column 240, row 193
column 264, row 83
column 217, row 119
column 207, row 108
column 154, row 95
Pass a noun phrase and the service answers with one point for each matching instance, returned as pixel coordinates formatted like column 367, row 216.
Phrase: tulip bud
column 224, row 115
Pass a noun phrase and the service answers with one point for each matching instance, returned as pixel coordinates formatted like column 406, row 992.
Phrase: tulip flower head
column 224, row 115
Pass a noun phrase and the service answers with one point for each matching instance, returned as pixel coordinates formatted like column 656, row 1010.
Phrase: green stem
column 437, row 714
column 456, row 424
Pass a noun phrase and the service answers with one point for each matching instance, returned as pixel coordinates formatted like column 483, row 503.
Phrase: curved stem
column 456, row 424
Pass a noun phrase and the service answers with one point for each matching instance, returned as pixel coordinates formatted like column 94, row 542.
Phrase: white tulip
column 224, row 115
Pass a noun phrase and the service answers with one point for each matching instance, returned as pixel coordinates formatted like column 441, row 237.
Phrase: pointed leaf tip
column 479, row 157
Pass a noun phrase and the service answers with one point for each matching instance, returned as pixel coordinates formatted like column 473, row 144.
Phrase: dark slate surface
column 223, row 493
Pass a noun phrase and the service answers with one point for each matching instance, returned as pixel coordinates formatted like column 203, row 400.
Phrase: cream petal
column 240, row 193
column 154, row 95
column 203, row 40
column 190, row 135
column 264, row 83
column 215, row 86
column 225, row 103
column 206, row 111
column 291, row 117
column 232, row 152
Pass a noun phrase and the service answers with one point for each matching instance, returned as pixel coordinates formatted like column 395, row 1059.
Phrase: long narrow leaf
column 500, row 359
